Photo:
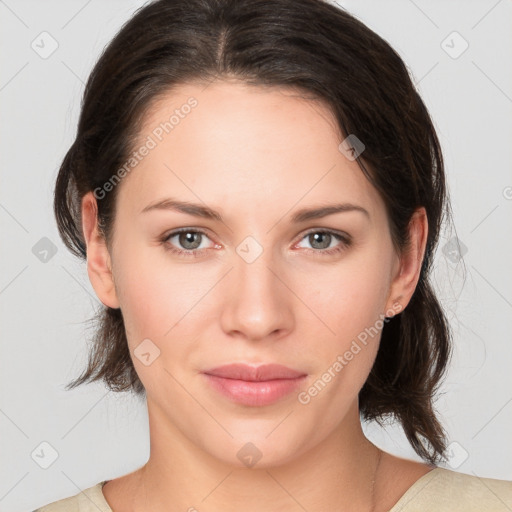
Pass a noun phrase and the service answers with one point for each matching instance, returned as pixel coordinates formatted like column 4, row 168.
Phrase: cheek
column 348, row 301
column 160, row 299
column 341, row 360
column 157, row 305
column 349, row 296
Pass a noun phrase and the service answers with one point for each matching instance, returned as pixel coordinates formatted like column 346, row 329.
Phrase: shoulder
column 446, row 490
column 88, row 500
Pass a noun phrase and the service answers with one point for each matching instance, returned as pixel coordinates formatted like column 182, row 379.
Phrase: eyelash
column 196, row 253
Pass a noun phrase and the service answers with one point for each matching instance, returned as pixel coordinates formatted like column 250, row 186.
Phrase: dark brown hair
column 325, row 53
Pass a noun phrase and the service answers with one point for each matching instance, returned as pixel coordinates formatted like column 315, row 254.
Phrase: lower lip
column 255, row 394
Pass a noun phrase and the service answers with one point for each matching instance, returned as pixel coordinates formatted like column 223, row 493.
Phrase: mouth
column 254, row 386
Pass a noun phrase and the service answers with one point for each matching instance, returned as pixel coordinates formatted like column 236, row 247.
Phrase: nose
column 258, row 303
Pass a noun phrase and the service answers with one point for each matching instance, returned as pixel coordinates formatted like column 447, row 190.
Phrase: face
column 255, row 282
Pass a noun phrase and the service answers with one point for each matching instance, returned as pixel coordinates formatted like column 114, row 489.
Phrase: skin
column 256, row 155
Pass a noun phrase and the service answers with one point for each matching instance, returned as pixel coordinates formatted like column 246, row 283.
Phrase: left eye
column 323, row 240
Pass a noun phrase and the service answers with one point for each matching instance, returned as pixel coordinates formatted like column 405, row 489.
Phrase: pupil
column 323, row 238
column 190, row 240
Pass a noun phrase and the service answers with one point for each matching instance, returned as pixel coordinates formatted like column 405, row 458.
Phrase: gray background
column 46, row 298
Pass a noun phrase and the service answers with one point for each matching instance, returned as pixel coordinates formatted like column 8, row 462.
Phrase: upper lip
column 254, row 373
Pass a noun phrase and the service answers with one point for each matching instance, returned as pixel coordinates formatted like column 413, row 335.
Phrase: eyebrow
column 302, row 215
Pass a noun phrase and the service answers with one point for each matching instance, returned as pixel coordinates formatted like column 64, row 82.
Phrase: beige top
column 440, row 490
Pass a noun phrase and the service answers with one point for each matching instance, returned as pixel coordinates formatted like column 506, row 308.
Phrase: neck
column 337, row 474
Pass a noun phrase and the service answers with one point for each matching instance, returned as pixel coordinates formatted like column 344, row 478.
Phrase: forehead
column 231, row 142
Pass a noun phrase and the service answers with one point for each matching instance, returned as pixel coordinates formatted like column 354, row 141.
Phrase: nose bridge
column 253, row 269
column 257, row 305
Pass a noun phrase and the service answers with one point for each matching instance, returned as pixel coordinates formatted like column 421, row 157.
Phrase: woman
column 258, row 190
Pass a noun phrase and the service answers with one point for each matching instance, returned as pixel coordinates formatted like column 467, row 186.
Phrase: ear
column 407, row 274
column 99, row 265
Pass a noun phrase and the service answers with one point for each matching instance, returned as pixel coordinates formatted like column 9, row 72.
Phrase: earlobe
column 405, row 281
column 99, row 265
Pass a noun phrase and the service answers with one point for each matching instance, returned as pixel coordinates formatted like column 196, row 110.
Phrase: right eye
column 189, row 239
